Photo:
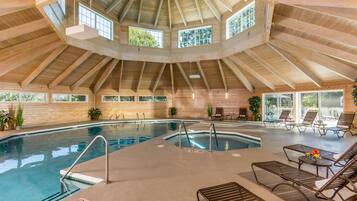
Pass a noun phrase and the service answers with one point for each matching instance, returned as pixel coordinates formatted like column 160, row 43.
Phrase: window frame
column 194, row 28
column 239, row 12
column 155, row 30
column 70, row 98
column 19, row 97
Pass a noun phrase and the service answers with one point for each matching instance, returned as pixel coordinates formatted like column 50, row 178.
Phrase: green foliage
column 309, row 100
column 173, row 111
column 94, row 113
column 11, row 117
column 210, row 110
column 20, row 116
column 254, row 105
column 354, row 92
column 4, row 118
column 140, row 37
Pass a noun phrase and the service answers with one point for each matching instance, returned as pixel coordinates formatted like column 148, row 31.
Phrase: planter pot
column 2, row 128
column 94, row 118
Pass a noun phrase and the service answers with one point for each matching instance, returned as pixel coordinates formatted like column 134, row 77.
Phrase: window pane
column 33, row 97
column 9, row 96
column 160, row 99
column 241, row 21
column 271, row 107
column 60, row 97
column 110, row 98
column 78, row 98
column 195, row 37
column 145, row 37
column 309, row 101
column 127, row 98
column 146, row 99
column 331, row 106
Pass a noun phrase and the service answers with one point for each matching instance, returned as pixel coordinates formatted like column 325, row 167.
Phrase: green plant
column 354, row 92
column 173, row 111
column 254, row 106
column 94, row 113
column 209, row 110
column 140, row 37
column 20, row 116
column 4, row 118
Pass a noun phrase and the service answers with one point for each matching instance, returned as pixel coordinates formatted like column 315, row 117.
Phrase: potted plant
column 209, row 111
column 94, row 113
column 11, row 122
column 173, row 111
column 19, row 117
column 4, row 117
column 354, row 92
column 254, row 105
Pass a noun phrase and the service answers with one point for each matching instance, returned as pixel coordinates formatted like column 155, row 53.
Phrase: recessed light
column 161, row 146
column 236, row 155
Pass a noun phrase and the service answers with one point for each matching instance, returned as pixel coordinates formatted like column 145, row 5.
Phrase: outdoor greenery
column 141, row 37
column 195, row 37
column 94, row 113
column 309, row 100
column 209, row 110
column 254, row 105
column 20, row 116
column 173, row 111
column 354, row 92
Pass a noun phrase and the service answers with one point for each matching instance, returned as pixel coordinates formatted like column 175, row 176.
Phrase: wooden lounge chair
column 308, row 121
column 339, row 160
column 218, row 114
column 229, row 191
column 344, row 125
column 243, row 114
column 297, row 179
column 282, row 118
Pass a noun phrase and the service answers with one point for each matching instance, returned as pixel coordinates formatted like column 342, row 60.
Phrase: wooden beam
column 18, row 60
column 239, row 74
column 225, row 5
column 141, row 76
column 159, row 77
column 172, row 79
column 105, row 75
column 114, row 4
column 341, row 13
column 125, row 10
column 23, row 29
column 222, row 75
column 321, row 48
column 140, row 9
column 198, row 8
column 203, row 75
column 341, row 69
column 269, row 12
column 44, row 64
column 251, row 71
column 169, row 12
column 177, row 3
column 297, row 64
column 185, row 76
column 213, row 9
column 120, row 75
column 70, row 69
column 158, row 12
column 270, row 68
column 326, row 3
column 91, row 72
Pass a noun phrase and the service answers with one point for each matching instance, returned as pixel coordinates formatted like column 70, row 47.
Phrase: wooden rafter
column 114, row 4
column 203, row 75
column 18, row 60
column 222, row 75
column 91, row 72
column 335, row 66
column 140, row 9
column 321, row 48
column 159, row 77
column 40, row 68
column 126, row 10
column 340, row 13
column 236, row 71
column 172, row 79
column 297, row 64
column 169, row 12
column 177, row 3
column 158, row 12
column 8, row 7
column 23, row 29
column 198, row 8
column 270, row 68
column 141, row 76
column 325, row 3
column 225, row 5
column 187, row 80
column 70, row 69
column 269, row 12
column 251, row 71
column 213, row 9
column 120, row 75
column 105, row 75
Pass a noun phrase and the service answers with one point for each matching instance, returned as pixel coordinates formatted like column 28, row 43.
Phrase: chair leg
column 197, row 195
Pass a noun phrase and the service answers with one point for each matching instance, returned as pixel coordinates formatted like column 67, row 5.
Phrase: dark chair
column 243, row 114
column 218, row 114
column 282, row 118
column 308, row 121
column 344, row 125
column 229, row 191
column 297, row 179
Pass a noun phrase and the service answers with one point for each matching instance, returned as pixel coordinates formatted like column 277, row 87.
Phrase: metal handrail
column 212, row 128
column 182, row 124
column 106, row 177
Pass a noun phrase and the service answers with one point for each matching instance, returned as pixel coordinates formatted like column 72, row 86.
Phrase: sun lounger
column 308, row 121
column 218, row 114
column 243, row 114
column 282, row 118
column 344, row 125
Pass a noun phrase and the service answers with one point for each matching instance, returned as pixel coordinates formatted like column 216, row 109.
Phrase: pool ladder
column 182, row 125
column 212, row 128
column 106, row 176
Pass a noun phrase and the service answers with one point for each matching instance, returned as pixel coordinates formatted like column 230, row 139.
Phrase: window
column 62, row 98
column 146, row 99
column 25, row 97
column 160, row 99
column 127, row 98
column 110, row 98
column 62, row 4
column 145, row 37
column 241, row 21
column 195, row 37
column 274, row 104
column 8, row 96
column 96, row 21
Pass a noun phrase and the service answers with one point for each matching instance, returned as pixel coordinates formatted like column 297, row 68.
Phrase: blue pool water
column 30, row 165
column 225, row 141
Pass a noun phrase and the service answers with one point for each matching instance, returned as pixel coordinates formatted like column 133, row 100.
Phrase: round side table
column 317, row 163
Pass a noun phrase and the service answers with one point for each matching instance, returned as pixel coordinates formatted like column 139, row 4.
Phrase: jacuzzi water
column 30, row 165
column 224, row 142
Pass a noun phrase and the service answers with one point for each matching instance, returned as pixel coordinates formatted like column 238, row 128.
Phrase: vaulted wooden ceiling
column 308, row 44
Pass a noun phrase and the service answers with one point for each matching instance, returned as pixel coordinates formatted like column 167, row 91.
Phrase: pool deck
column 148, row 172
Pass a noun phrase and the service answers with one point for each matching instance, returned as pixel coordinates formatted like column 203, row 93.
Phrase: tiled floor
column 146, row 172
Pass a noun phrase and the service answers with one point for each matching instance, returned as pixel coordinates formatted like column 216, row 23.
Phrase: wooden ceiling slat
column 105, row 75
column 203, row 75
column 238, row 74
column 185, row 76
column 222, row 75
column 159, row 77
column 23, row 29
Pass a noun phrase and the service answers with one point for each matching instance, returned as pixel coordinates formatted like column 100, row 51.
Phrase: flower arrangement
column 314, row 154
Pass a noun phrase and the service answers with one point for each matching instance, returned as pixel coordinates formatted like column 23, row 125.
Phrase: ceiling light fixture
column 226, row 95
